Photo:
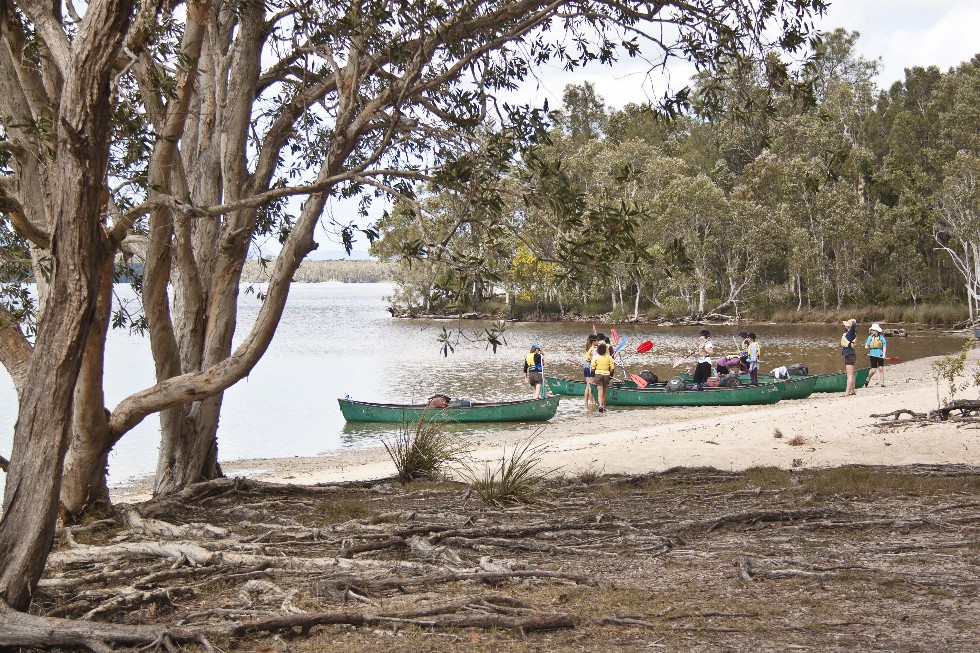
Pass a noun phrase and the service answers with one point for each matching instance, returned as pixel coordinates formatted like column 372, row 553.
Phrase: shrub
column 517, row 478
column 423, row 449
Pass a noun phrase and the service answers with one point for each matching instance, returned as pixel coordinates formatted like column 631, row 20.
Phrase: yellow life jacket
column 876, row 342
column 531, row 365
column 758, row 350
column 844, row 342
column 603, row 364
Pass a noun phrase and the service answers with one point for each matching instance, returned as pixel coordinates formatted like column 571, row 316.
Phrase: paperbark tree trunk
column 76, row 181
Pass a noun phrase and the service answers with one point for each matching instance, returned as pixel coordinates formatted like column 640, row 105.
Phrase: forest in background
column 751, row 203
column 313, row 271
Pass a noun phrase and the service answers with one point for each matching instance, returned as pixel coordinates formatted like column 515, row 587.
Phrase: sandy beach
column 823, row 430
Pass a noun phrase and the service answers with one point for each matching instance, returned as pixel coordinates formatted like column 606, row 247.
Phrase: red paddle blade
column 644, row 347
column 638, row 380
column 615, row 337
column 894, row 359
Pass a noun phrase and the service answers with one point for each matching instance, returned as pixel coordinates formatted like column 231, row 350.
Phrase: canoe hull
column 573, row 388
column 738, row 396
column 838, row 382
column 529, row 410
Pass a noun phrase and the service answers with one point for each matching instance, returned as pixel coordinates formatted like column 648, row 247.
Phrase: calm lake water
column 338, row 340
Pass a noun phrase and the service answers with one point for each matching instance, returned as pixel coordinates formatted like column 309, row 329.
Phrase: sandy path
column 835, row 429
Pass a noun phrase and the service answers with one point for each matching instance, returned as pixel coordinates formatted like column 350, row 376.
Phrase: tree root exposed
column 962, row 411
column 246, row 561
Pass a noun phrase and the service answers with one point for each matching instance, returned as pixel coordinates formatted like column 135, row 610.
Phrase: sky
column 897, row 33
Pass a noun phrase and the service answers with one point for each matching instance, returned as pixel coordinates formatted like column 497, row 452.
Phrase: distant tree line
column 312, row 271
column 809, row 195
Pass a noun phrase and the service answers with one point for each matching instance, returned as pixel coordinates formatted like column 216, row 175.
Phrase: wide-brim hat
column 848, row 323
column 875, row 327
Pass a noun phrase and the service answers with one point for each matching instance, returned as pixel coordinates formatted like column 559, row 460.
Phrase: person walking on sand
column 587, row 372
column 533, row 368
column 877, row 348
column 850, row 356
column 755, row 350
column 603, row 365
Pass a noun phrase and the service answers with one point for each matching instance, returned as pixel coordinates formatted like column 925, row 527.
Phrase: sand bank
column 822, row 431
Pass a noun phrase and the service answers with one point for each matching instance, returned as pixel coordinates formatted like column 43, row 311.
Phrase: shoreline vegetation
column 926, row 315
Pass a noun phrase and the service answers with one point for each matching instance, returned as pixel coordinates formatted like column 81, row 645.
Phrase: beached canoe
column 824, row 382
column 795, row 387
column 838, row 382
column 741, row 395
column 527, row 410
column 573, row 388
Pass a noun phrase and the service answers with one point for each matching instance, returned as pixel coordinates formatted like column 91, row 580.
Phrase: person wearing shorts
column 587, row 372
column 603, row 365
column 877, row 347
column 850, row 356
column 533, row 370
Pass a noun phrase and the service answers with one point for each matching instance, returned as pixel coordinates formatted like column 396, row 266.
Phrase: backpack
column 438, row 401
column 648, row 376
column 730, row 380
column 799, row 369
column 676, row 384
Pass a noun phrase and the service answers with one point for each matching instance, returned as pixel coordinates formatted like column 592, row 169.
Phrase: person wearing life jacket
column 850, row 356
column 877, row 348
column 603, row 365
column 754, row 351
column 587, row 372
column 533, row 370
column 743, row 349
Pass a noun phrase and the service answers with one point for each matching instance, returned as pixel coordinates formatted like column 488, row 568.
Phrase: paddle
column 893, row 359
column 644, row 347
column 621, row 344
column 615, row 340
column 638, row 380
column 678, row 362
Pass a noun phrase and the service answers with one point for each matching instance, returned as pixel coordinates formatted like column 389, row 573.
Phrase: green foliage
column 952, row 371
column 423, row 449
column 517, row 479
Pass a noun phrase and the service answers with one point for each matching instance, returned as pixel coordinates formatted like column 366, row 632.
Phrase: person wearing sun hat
column 850, row 356
column 877, row 348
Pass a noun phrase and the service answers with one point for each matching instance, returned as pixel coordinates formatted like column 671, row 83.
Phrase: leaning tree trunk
column 44, row 418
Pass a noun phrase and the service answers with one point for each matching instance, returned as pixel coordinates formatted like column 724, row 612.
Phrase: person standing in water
column 533, row 368
column 850, row 356
column 877, row 348
column 603, row 365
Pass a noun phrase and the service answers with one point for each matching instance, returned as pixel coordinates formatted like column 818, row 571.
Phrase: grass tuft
column 517, row 479
column 777, row 434
column 423, row 449
column 797, row 441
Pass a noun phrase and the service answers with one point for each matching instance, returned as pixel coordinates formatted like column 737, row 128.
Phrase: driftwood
column 962, row 411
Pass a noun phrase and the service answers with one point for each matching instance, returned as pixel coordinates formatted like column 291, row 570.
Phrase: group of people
column 599, row 361
column 877, row 347
column 747, row 359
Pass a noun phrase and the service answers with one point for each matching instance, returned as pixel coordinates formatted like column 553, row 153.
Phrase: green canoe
column 573, row 388
column 795, row 387
column 527, row 410
column 838, row 382
column 769, row 393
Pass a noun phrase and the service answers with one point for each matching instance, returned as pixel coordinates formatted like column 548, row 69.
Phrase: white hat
column 875, row 327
